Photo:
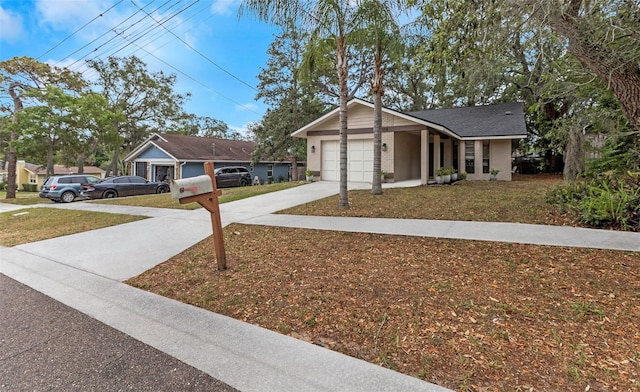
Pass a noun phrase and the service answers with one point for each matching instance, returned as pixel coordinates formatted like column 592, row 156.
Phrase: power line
column 132, row 31
column 142, row 32
column 77, row 31
column 196, row 51
column 195, row 80
column 102, row 35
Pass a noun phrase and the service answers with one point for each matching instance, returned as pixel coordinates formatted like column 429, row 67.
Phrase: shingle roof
column 60, row 170
column 500, row 119
column 195, row 148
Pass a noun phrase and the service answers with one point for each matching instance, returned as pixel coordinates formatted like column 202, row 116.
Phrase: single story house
column 172, row 156
column 472, row 139
column 31, row 177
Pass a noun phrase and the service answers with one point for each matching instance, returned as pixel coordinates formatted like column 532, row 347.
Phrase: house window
column 269, row 170
column 485, row 156
column 469, row 157
column 33, row 179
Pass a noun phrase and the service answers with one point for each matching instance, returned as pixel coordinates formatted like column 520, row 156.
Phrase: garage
column 359, row 160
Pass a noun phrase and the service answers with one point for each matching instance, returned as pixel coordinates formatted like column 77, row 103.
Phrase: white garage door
column 359, row 160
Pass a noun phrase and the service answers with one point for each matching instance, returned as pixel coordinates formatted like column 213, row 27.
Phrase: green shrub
column 610, row 200
column 30, row 187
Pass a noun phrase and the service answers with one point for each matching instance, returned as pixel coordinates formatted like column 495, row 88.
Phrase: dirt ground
column 468, row 315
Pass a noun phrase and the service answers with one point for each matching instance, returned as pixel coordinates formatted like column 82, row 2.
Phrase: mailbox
column 191, row 186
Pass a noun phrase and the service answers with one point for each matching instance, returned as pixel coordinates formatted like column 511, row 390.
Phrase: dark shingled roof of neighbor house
column 500, row 119
column 195, row 148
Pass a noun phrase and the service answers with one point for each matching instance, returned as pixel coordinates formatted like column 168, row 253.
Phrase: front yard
column 521, row 200
column 467, row 315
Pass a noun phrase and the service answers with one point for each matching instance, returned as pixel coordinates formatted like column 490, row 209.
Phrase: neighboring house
column 29, row 174
column 473, row 139
column 169, row 156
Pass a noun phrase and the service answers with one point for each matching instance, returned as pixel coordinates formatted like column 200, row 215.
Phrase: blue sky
column 215, row 55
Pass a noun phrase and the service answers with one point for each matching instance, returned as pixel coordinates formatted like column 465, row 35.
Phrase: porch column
column 424, row 157
column 436, row 153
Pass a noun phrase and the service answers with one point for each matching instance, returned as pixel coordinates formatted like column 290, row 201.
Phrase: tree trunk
column 378, row 91
column 50, row 170
column 12, row 159
column 12, row 163
column 112, row 169
column 294, row 168
column 343, row 73
column 574, row 155
column 81, row 164
column 622, row 77
column 376, row 188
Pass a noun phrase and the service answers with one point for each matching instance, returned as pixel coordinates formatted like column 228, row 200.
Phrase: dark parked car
column 66, row 188
column 123, row 186
column 229, row 176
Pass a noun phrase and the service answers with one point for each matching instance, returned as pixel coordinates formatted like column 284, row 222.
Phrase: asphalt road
column 48, row 346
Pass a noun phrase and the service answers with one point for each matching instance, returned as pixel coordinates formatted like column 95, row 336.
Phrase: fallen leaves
column 442, row 310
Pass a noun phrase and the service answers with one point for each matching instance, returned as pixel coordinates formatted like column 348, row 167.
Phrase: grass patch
column 228, row 195
column 36, row 224
column 521, row 200
column 23, row 198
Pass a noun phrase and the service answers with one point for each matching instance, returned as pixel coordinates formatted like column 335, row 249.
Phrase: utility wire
column 198, row 52
column 142, row 32
column 194, row 79
column 102, row 35
column 77, row 31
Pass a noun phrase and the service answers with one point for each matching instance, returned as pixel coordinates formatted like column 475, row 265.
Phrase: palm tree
column 383, row 33
column 331, row 19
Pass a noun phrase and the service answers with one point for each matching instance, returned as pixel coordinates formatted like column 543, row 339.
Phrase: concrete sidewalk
column 85, row 271
column 481, row 231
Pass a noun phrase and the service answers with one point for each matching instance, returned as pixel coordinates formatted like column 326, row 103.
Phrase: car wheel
column 67, row 197
column 244, row 182
column 110, row 194
column 162, row 189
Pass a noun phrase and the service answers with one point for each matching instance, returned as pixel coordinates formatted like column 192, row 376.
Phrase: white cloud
column 224, row 7
column 243, row 131
column 10, row 25
column 69, row 15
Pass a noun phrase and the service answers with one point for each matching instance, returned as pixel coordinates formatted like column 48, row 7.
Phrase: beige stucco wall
column 499, row 158
column 406, row 155
column 360, row 116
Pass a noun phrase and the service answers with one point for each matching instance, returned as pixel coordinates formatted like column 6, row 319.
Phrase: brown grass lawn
column 36, row 224
column 467, row 315
column 521, row 200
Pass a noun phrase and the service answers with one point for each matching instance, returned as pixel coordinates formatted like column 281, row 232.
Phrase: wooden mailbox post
column 207, row 197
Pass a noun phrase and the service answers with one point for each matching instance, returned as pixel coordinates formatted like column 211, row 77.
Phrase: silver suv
column 66, row 188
